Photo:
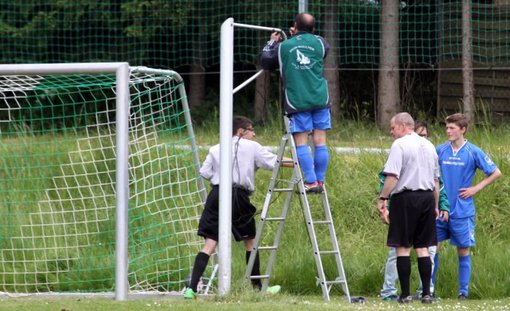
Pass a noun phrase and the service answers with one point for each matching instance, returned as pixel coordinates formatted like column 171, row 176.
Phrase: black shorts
column 243, row 215
column 412, row 220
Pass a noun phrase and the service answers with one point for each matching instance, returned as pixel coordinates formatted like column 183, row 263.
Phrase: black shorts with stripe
column 243, row 215
column 412, row 220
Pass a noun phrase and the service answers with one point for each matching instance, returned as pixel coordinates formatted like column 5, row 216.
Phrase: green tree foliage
column 184, row 35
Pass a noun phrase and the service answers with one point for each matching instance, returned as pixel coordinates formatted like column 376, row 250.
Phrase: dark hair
column 418, row 124
column 240, row 122
column 305, row 22
column 458, row 119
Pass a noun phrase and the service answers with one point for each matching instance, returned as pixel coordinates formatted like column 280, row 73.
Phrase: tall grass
column 352, row 186
column 57, row 214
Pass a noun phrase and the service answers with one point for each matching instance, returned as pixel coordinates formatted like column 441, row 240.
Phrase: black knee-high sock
column 198, row 269
column 425, row 269
column 255, row 270
column 404, row 273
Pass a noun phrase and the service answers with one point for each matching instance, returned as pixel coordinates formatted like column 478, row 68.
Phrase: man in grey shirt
column 412, row 173
column 248, row 156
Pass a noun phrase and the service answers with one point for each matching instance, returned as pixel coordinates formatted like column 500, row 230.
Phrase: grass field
column 352, row 185
column 352, row 189
column 277, row 303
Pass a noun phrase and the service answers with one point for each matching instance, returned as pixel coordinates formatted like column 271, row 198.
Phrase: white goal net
column 58, row 183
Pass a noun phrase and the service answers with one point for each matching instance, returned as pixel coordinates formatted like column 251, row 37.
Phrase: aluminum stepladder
column 321, row 250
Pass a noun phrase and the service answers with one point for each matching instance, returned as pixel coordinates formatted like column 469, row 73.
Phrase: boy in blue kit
column 459, row 160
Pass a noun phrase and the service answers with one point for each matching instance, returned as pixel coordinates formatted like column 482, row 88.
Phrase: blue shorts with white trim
column 460, row 231
column 306, row 121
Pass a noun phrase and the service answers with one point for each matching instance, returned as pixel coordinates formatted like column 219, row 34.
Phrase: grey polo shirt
column 413, row 160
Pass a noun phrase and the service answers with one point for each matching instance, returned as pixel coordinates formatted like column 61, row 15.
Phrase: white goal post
column 81, row 142
column 227, row 92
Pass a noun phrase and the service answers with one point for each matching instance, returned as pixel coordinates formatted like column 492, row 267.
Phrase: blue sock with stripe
column 464, row 273
column 321, row 161
column 306, row 162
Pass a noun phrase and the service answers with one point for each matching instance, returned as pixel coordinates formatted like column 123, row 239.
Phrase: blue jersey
column 458, row 169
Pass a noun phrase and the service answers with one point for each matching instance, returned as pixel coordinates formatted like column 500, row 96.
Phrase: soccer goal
column 99, row 184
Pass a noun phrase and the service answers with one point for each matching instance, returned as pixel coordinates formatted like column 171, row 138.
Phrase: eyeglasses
column 251, row 129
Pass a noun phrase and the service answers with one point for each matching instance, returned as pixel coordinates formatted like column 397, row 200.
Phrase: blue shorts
column 306, row 121
column 460, row 231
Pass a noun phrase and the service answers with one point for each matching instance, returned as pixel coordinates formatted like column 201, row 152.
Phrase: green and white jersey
column 301, row 60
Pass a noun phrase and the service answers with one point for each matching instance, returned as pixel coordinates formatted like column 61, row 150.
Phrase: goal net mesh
column 57, row 183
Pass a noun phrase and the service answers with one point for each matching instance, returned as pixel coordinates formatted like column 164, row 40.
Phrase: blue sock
column 306, row 162
column 321, row 160
column 464, row 273
column 434, row 272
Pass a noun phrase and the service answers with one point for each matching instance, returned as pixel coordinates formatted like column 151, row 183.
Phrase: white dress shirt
column 247, row 157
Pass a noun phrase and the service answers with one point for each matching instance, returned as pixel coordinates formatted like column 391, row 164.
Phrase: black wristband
column 383, row 198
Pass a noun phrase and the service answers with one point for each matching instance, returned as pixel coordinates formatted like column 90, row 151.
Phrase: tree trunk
column 467, row 64
column 501, row 3
column 261, row 96
column 262, row 89
column 440, row 29
column 388, row 98
column 331, row 63
column 196, row 94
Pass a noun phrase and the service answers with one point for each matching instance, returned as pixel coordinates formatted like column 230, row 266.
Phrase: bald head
column 305, row 22
column 405, row 119
column 401, row 124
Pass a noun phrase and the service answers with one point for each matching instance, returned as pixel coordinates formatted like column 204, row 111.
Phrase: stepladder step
column 268, row 248
column 331, row 252
column 283, row 190
column 337, row 281
column 322, row 222
column 260, row 277
column 274, row 219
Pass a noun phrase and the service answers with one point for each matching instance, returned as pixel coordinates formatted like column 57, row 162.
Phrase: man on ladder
column 306, row 97
column 301, row 63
